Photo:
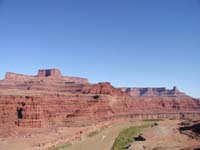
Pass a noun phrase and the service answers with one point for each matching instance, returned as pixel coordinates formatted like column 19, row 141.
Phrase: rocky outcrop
column 191, row 128
column 55, row 73
column 103, row 88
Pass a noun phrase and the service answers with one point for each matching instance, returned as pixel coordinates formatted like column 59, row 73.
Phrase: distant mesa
column 149, row 91
column 53, row 74
column 100, row 88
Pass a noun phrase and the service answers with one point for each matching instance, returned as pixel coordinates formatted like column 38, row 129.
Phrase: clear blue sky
column 135, row 43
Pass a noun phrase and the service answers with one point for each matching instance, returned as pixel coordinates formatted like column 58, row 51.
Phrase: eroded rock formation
column 49, row 73
column 103, row 88
column 50, row 99
column 191, row 128
column 43, row 74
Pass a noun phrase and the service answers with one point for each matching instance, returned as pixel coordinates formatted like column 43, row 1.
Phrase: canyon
column 49, row 100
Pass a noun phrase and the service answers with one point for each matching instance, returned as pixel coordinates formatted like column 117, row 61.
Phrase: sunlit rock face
column 50, row 99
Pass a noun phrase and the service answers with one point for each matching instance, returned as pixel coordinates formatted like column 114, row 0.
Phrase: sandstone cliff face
column 84, row 109
column 43, row 102
column 103, row 88
column 51, row 110
column 49, row 73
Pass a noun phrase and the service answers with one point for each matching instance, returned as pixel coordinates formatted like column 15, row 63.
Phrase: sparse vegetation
column 154, row 120
column 93, row 133
column 61, row 147
column 126, row 137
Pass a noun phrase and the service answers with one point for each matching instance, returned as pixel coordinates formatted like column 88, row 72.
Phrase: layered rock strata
column 51, row 100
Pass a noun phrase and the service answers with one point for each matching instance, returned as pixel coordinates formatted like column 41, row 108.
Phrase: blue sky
column 134, row 43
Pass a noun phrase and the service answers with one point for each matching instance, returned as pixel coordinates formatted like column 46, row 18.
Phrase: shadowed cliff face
column 49, row 73
column 50, row 99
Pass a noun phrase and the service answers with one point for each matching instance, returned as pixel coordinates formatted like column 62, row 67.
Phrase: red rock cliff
column 40, row 102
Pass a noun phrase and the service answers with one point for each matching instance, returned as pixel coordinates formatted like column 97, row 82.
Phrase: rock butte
column 50, row 99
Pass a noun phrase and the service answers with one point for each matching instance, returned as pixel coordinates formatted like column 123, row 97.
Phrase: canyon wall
column 84, row 109
column 43, row 102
